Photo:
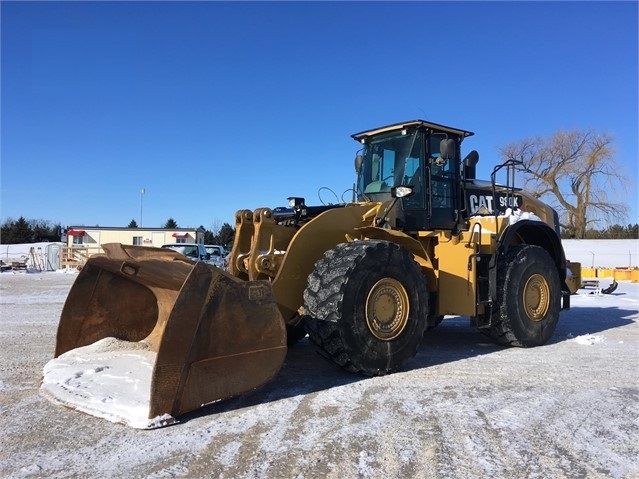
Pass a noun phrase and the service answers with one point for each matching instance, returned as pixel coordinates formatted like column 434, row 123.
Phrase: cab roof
column 408, row 124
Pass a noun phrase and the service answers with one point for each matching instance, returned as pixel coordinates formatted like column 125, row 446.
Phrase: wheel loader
column 420, row 238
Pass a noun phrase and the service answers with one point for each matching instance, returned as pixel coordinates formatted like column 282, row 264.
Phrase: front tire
column 366, row 306
column 528, row 298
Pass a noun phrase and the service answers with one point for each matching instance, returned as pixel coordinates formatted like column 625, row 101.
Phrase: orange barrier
column 618, row 274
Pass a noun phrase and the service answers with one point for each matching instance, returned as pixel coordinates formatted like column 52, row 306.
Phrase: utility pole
column 142, row 191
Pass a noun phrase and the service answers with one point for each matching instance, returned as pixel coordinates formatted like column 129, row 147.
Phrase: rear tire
column 528, row 298
column 366, row 306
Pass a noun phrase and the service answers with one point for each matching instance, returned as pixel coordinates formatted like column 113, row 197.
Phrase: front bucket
column 146, row 335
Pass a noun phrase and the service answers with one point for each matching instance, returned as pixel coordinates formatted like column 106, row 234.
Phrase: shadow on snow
column 305, row 371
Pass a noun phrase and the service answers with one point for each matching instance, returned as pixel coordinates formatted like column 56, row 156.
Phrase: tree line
column 23, row 230
column 611, row 232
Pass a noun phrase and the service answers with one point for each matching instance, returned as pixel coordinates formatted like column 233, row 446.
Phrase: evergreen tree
column 226, row 235
column 16, row 232
column 209, row 237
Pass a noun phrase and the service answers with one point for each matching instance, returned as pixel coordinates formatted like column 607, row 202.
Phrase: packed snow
column 463, row 407
column 518, row 215
column 110, row 379
column 588, row 339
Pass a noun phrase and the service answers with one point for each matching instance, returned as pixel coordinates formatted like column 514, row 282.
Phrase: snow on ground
column 112, row 378
column 463, row 407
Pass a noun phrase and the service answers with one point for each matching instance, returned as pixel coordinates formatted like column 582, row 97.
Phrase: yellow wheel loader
column 420, row 239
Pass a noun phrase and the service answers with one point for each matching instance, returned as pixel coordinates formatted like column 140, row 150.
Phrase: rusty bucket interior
column 214, row 336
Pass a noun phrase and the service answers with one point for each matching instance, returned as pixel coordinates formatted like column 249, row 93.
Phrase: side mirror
column 447, row 149
column 359, row 159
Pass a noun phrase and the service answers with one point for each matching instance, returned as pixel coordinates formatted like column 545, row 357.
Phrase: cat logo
column 480, row 202
column 486, row 203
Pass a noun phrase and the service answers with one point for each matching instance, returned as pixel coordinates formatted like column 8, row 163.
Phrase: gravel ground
column 463, row 407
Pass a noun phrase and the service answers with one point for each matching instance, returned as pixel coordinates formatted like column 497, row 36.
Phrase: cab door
column 435, row 180
column 442, row 200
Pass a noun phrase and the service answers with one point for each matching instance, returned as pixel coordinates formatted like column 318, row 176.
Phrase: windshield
column 191, row 251
column 389, row 160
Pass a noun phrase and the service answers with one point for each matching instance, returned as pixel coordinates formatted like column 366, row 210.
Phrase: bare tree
column 573, row 171
column 215, row 227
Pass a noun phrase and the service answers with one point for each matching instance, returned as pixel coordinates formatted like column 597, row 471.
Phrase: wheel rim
column 536, row 297
column 387, row 309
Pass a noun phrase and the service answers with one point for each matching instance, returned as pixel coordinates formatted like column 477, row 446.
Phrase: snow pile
column 517, row 215
column 589, row 339
column 110, row 379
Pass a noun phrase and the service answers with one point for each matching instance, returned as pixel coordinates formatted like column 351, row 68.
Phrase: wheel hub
column 536, row 297
column 387, row 309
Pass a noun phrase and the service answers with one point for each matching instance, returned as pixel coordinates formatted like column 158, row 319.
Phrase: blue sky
column 213, row 107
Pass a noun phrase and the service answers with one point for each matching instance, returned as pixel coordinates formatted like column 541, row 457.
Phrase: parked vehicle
column 218, row 255
column 194, row 251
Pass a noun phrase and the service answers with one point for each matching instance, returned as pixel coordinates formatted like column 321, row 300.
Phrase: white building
column 84, row 241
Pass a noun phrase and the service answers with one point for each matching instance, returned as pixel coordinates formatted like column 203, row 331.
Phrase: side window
column 137, row 241
column 77, row 240
column 441, row 174
column 410, row 167
column 434, row 156
column 388, row 167
column 414, row 176
column 382, row 168
column 391, row 159
column 412, row 164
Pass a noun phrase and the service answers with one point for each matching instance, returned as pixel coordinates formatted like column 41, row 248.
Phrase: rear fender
column 536, row 233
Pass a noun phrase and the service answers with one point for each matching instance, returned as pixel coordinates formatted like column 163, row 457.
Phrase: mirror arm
column 379, row 221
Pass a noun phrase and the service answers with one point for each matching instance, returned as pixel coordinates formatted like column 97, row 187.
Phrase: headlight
column 402, row 191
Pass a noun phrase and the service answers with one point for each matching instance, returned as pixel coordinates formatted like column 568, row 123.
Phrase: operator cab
column 419, row 154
